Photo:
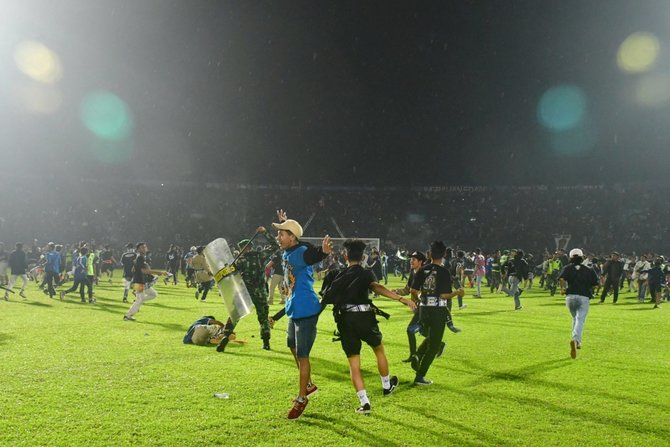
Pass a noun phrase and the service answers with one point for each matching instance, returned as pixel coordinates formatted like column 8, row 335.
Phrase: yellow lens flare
column 638, row 53
column 38, row 62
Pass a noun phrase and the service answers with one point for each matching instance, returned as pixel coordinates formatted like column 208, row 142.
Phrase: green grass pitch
column 76, row 374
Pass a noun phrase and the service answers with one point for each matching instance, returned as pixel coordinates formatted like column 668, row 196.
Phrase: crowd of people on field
column 351, row 273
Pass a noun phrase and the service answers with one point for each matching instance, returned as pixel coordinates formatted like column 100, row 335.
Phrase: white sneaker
column 463, row 307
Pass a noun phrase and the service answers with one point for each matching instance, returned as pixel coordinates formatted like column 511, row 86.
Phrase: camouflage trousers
column 260, row 299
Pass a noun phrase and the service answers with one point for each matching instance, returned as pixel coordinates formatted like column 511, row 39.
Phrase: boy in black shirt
column 656, row 281
column 172, row 259
column 432, row 287
column 128, row 261
column 141, row 270
column 416, row 260
column 348, row 290
column 108, row 262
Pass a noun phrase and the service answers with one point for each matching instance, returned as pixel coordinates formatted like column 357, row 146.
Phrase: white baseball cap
column 290, row 225
column 576, row 252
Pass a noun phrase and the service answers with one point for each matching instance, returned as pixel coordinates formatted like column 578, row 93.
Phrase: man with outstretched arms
column 302, row 305
column 348, row 290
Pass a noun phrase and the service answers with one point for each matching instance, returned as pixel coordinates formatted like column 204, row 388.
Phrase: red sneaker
column 311, row 389
column 298, row 408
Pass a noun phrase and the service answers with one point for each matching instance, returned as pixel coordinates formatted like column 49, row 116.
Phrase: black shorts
column 655, row 288
column 356, row 327
column 106, row 267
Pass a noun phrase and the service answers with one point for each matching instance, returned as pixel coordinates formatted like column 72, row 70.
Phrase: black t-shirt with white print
column 432, row 280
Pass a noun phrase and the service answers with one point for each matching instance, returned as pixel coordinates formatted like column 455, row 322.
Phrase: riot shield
column 234, row 292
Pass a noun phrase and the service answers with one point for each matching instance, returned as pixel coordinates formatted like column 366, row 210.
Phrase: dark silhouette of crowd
column 629, row 218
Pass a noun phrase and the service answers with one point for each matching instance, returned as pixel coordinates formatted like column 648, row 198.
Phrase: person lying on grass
column 207, row 330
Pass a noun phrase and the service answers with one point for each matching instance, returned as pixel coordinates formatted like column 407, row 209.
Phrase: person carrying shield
column 251, row 265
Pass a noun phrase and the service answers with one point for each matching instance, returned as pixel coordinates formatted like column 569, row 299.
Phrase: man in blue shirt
column 52, row 269
column 302, row 305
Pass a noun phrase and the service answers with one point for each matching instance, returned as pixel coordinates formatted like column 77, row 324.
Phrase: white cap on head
column 576, row 252
column 290, row 225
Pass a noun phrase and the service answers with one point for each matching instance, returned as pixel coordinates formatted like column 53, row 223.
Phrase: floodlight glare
column 638, row 53
column 38, row 62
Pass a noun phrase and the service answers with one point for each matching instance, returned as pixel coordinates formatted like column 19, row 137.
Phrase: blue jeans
column 641, row 289
column 513, row 290
column 301, row 335
column 579, row 308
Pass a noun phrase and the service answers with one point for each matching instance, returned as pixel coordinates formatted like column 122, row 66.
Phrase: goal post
column 338, row 241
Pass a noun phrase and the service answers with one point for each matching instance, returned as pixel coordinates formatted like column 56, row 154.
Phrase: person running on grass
column 432, row 288
column 80, row 275
column 128, row 261
column 140, row 281
column 580, row 283
column 416, row 260
column 18, row 265
column 349, row 292
column 656, row 281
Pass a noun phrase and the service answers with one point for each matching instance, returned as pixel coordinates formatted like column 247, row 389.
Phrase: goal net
column 338, row 241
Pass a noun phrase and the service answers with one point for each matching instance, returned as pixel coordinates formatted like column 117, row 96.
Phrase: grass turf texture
column 76, row 374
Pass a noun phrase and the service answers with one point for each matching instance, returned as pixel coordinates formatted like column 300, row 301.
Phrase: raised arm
column 381, row 290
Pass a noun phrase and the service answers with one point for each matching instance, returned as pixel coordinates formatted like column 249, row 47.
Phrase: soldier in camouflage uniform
column 251, row 265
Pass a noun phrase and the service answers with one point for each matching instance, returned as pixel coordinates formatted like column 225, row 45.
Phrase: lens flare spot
column 106, row 116
column 653, row 90
column 38, row 62
column 39, row 98
column 638, row 53
column 111, row 151
column 562, row 107
column 574, row 142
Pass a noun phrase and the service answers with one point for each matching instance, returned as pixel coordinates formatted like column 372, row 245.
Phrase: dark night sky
column 346, row 92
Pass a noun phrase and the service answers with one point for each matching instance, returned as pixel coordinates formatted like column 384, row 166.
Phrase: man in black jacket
column 613, row 269
column 18, row 266
column 517, row 272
